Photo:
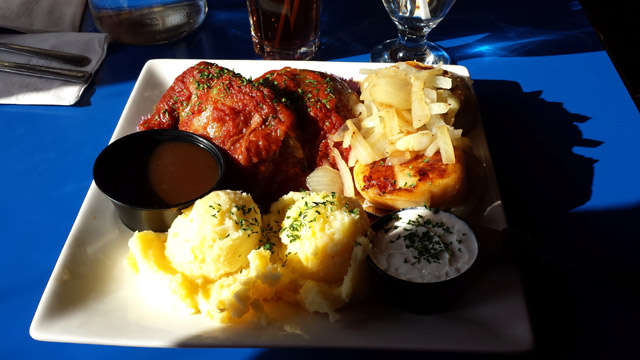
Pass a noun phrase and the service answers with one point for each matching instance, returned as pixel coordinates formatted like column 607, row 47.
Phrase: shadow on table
column 531, row 142
column 573, row 262
column 324, row 354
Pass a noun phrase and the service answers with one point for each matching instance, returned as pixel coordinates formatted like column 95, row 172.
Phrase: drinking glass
column 147, row 22
column 414, row 19
column 285, row 29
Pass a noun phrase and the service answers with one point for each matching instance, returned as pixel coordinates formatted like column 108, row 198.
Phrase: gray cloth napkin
column 22, row 89
column 33, row 16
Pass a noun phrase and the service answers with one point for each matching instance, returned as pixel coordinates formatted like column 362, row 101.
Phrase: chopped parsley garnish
column 312, row 211
column 423, row 236
column 247, row 223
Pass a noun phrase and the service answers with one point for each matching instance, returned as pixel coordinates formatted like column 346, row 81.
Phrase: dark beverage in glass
column 285, row 29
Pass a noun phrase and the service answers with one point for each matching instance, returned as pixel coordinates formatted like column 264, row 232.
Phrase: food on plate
column 423, row 245
column 423, row 258
column 406, row 110
column 223, row 259
column 321, row 238
column 405, row 148
column 322, row 103
column 397, row 142
column 249, row 121
column 150, row 176
column 213, row 237
column 274, row 129
column 416, row 182
column 318, row 233
column 179, row 171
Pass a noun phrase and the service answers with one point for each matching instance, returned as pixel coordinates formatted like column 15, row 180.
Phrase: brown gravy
column 180, row 171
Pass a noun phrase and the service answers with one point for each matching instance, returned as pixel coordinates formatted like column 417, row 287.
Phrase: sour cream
column 425, row 246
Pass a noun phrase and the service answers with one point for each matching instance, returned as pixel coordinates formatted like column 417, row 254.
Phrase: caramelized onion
column 325, row 179
column 348, row 188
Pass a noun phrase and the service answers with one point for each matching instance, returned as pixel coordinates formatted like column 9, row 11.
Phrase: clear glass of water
column 414, row 20
column 147, row 22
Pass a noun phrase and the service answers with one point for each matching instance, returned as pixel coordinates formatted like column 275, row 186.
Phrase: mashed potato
column 159, row 282
column 219, row 259
column 319, row 232
column 215, row 235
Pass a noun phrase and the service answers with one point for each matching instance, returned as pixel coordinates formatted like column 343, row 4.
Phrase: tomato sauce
column 322, row 103
column 275, row 129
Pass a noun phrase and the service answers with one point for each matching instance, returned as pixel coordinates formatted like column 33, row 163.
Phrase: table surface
column 561, row 126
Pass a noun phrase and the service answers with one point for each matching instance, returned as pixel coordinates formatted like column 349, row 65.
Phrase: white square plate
column 91, row 298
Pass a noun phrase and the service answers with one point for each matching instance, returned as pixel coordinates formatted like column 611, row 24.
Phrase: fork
column 53, row 55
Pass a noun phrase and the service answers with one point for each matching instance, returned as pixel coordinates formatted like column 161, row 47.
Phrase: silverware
column 59, row 56
column 70, row 75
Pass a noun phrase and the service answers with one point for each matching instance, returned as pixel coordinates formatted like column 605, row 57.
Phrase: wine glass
column 414, row 19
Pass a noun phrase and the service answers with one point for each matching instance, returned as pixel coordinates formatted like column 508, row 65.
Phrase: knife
column 59, row 56
column 70, row 75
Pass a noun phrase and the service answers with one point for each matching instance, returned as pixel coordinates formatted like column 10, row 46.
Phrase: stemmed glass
column 414, row 19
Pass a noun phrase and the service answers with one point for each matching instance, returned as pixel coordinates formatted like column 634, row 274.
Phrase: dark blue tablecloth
column 561, row 127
